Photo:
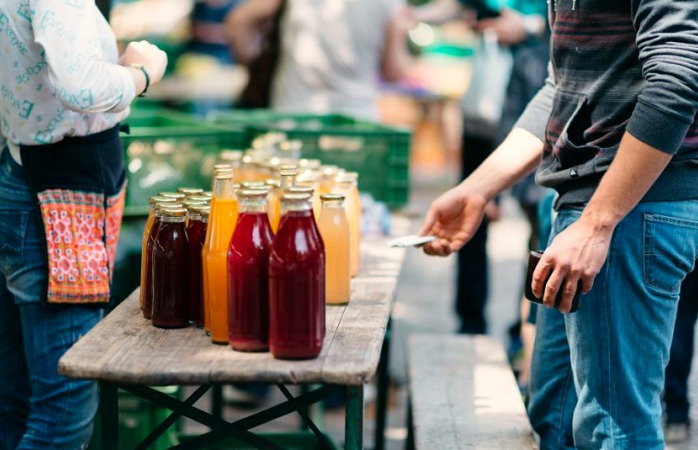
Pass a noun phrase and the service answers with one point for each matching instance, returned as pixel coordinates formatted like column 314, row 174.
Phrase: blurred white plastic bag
column 483, row 102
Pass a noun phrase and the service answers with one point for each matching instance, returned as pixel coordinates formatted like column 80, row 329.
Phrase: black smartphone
column 533, row 259
column 482, row 9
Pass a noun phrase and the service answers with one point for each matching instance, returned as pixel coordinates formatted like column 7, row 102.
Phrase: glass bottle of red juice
column 196, row 235
column 170, row 271
column 154, row 201
column 147, row 280
column 248, row 274
column 297, row 283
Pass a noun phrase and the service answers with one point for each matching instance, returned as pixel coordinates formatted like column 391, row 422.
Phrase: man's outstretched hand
column 453, row 218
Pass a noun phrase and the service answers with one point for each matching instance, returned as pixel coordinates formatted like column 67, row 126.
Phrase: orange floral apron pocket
column 82, row 230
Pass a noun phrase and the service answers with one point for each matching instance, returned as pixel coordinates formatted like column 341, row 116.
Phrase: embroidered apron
column 80, row 185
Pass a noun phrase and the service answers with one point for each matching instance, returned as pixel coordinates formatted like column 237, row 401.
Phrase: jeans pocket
column 666, row 260
column 13, row 228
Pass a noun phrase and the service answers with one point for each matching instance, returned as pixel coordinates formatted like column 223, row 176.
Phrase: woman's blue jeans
column 619, row 339
column 38, row 408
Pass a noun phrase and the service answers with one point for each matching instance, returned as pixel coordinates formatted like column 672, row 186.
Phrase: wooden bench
column 463, row 395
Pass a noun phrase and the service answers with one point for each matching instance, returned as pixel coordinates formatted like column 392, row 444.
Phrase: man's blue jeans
column 620, row 338
column 552, row 396
column 38, row 408
column 676, row 404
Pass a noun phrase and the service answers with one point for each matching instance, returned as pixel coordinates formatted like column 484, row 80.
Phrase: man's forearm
column 515, row 158
column 437, row 11
column 633, row 171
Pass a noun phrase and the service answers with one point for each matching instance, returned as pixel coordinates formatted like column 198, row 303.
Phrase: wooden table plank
column 464, row 395
column 126, row 348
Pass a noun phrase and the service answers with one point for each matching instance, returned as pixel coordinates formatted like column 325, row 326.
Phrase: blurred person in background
column 331, row 53
column 209, row 39
column 64, row 90
column 520, row 26
column 208, row 29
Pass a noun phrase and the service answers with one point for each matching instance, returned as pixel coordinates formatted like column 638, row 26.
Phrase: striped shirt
column 617, row 66
column 330, row 57
column 60, row 75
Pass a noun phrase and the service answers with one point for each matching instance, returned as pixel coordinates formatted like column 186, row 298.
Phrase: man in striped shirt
column 614, row 132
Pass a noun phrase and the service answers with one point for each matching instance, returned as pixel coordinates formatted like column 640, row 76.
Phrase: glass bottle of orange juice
column 347, row 184
column 334, row 229
column 222, row 220
column 288, row 177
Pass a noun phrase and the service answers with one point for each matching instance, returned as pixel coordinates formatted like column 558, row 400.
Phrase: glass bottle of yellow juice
column 327, row 177
column 222, row 220
column 347, row 184
column 334, row 229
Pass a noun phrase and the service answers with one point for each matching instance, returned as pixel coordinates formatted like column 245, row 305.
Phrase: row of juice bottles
column 249, row 262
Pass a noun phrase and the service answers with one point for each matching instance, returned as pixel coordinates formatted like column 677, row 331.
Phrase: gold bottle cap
column 205, row 211
column 155, row 199
column 252, row 184
column 295, row 197
column 200, row 198
column 253, row 193
column 224, row 175
column 188, row 202
column 300, row 190
column 198, row 209
column 163, row 206
column 175, row 195
column 222, row 167
column 332, row 197
column 174, row 212
column 190, row 191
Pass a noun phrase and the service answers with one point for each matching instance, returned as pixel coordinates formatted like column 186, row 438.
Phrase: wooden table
column 125, row 351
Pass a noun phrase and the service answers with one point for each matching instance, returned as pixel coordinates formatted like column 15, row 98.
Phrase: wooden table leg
column 109, row 409
column 383, row 390
column 354, row 421
column 217, row 401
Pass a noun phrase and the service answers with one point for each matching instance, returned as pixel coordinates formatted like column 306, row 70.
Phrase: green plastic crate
column 380, row 154
column 137, row 419
column 166, row 150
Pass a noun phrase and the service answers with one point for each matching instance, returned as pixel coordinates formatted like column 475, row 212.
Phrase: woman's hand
column 453, row 218
column 153, row 59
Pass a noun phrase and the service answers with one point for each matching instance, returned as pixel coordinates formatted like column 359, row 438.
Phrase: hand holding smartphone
column 533, row 259
column 483, row 10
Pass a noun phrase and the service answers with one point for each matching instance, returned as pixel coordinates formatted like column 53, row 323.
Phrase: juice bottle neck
column 168, row 219
column 287, row 181
column 345, row 187
column 224, row 189
column 296, row 206
column 253, row 205
column 332, row 204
